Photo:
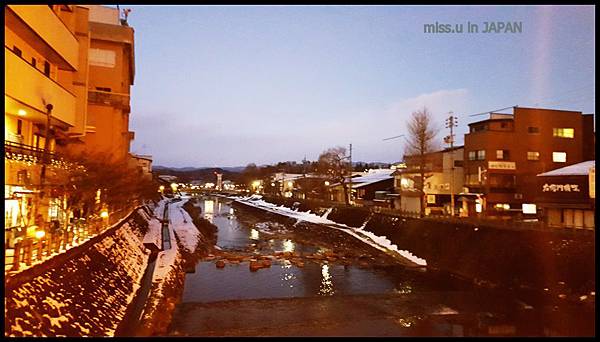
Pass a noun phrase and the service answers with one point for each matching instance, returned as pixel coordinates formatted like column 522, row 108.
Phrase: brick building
column 505, row 152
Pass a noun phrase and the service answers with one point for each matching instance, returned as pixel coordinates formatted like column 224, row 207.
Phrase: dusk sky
column 231, row 85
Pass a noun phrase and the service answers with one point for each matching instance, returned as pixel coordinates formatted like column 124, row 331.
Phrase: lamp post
column 44, row 161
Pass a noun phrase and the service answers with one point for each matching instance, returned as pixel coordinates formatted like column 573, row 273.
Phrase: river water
column 397, row 300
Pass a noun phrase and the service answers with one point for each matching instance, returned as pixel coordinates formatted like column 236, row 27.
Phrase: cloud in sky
column 367, row 129
column 231, row 143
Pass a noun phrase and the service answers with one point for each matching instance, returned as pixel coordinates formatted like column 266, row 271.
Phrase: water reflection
column 209, row 210
column 288, row 246
column 326, row 288
column 287, row 276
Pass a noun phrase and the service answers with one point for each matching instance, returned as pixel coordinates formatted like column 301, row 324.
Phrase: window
column 503, row 124
column 17, row 51
column 559, row 157
column 481, row 155
column 472, row 155
column 478, row 128
column 33, row 62
column 533, row 130
column 19, row 127
column 563, row 132
column 103, row 58
column 458, row 163
column 47, row 68
column 103, row 89
column 533, row 156
column 502, row 154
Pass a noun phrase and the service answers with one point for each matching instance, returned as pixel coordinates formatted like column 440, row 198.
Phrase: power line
column 397, row 136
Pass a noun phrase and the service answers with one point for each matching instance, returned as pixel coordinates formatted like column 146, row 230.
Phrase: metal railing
column 27, row 153
column 117, row 100
column 28, row 250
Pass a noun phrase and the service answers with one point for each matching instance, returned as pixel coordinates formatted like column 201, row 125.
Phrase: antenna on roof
column 495, row 110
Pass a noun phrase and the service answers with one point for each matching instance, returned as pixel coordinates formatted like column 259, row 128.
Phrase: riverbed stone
column 255, row 265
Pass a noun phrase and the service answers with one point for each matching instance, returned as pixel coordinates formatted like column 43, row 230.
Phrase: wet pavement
column 267, row 278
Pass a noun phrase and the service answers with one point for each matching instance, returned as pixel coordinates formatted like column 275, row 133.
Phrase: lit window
column 502, row 154
column 533, row 156
column 559, row 157
column 529, row 208
column 472, row 155
column 563, row 132
column 481, row 155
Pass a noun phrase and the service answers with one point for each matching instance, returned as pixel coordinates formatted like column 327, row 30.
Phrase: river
column 340, row 296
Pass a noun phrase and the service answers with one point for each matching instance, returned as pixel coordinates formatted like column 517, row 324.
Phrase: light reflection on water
column 288, row 246
column 209, row 210
column 236, row 281
column 326, row 283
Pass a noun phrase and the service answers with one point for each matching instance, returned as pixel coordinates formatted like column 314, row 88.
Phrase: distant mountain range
column 188, row 169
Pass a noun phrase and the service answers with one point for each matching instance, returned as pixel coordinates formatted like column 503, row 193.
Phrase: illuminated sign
column 501, row 165
column 560, row 187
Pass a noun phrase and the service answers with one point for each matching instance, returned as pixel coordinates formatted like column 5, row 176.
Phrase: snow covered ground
column 182, row 225
column 380, row 242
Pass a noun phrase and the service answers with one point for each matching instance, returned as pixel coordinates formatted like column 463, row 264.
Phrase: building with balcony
column 67, row 83
column 42, row 64
column 111, row 69
column 505, row 152
column 443, row 178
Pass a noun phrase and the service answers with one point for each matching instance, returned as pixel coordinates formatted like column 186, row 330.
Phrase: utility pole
column 351, row 169
column 451, row 122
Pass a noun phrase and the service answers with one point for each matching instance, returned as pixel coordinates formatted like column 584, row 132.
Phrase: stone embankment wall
column 84, row 291
column 166, row 294
column 554, row 261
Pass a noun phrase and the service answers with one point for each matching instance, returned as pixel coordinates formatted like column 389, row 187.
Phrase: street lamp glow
column 104, row 213
column 174, row 186
column 326, row 183
column 22, row 112
column 256, row 183
column 40, row 234
column 161, row 188
column 290, row 184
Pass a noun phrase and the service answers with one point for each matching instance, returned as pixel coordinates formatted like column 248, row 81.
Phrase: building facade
column 443, row 178
column 504, row 153
column 567, row 197
column 45, row 48
column 111, row 65
column 51, row 75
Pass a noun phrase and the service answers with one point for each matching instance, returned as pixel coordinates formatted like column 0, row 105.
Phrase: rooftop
column 580, row 169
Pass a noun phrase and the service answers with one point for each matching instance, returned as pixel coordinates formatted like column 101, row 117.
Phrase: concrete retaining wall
column 82, row 292
column 562, row 261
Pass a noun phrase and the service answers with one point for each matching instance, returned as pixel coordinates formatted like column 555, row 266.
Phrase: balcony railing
column 26, row 153
column 116, row 100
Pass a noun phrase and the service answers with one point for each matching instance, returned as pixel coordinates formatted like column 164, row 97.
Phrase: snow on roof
column 580, row 169
column 372, row 176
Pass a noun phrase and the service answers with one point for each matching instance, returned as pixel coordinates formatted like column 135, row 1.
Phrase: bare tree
column 419, row 143
column 119, row 184
column 333, row 162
